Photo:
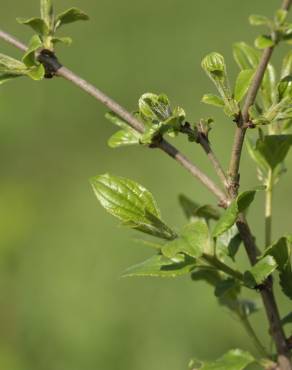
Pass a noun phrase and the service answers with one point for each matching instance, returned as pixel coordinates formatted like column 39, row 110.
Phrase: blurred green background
column 63, row 305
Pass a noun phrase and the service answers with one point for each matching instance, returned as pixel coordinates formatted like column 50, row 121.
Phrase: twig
column 249, row 101
column 241, row 126
column 267, row 294
column 204, row 142
column 127, row 116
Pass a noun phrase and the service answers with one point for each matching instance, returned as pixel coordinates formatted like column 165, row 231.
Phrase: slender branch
column 271, row 308
column 123, row 113
column 249, row 101
column 241, row 127
column 204, row 142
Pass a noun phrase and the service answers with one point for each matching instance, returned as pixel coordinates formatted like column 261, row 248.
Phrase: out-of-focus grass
column 63, row 305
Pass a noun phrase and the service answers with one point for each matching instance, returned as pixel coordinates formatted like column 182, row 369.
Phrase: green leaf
column 263, row 42
column 260, row 272
column 270, row 150
column 268, row 87
column 193, row 210
column 229, row 217
column 210, row 276
column 243, row 83
column 37, row 24
column 212, row 99
column 259, row 20
column 161, row 266
column 37, row 73
column 64, row 40
column 280, row 16
column 47, row 13
column 70, row 16
column 214, row 66
column 10, row 65
column 245, row 56
column 286, row 280
column 193, row 241
column 287, row 65
column 29, row 57
column 228, row 243
column 132, row 204
column 154, row 107
column 235, row 359
column 227, row 287
column 123, row 138
column 280, row 251
column 287, row 319
column 126, row 136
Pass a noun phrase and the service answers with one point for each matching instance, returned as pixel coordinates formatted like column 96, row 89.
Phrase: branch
column 249, row 101
column 205, row 144
column 120, row 111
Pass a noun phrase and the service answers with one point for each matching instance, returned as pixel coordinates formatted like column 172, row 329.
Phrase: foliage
column 206, row 247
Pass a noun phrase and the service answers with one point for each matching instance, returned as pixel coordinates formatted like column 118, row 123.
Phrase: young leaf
column 193, row 241
column 287, row 65
column 260, row 272
column 37, row 73
column 287, row 319
column 132, row 204
column 29, row 57
column 70, row 16
column 242, row 84
column 10, row 65
column 228, row 243
column 263, row 42
column 154, row 107
column 47, row 13
column 161, row 266
column 285, row 276
column 259, row 20
column 210, row 276
column 126, row 136
column 37, row 24
column 193, row 210
column 280, row 16
column 280, row 251
column 214, row 66
column 64, row 40
column 271, row 150
column 235, row 359
column 123, row 138
column 228, row 219
column 245, row 56
column 212, row 99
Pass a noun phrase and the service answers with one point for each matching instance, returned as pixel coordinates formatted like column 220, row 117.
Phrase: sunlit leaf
column 264, row 41
column 37, row 24
column 212, row 99
column 29, row 57
column 70, row 16
column 235, row 359
column 193, row 241
column 243, row 83
column 260, row 272
column 227, row 220
column 131, row 203
column 161, row 266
